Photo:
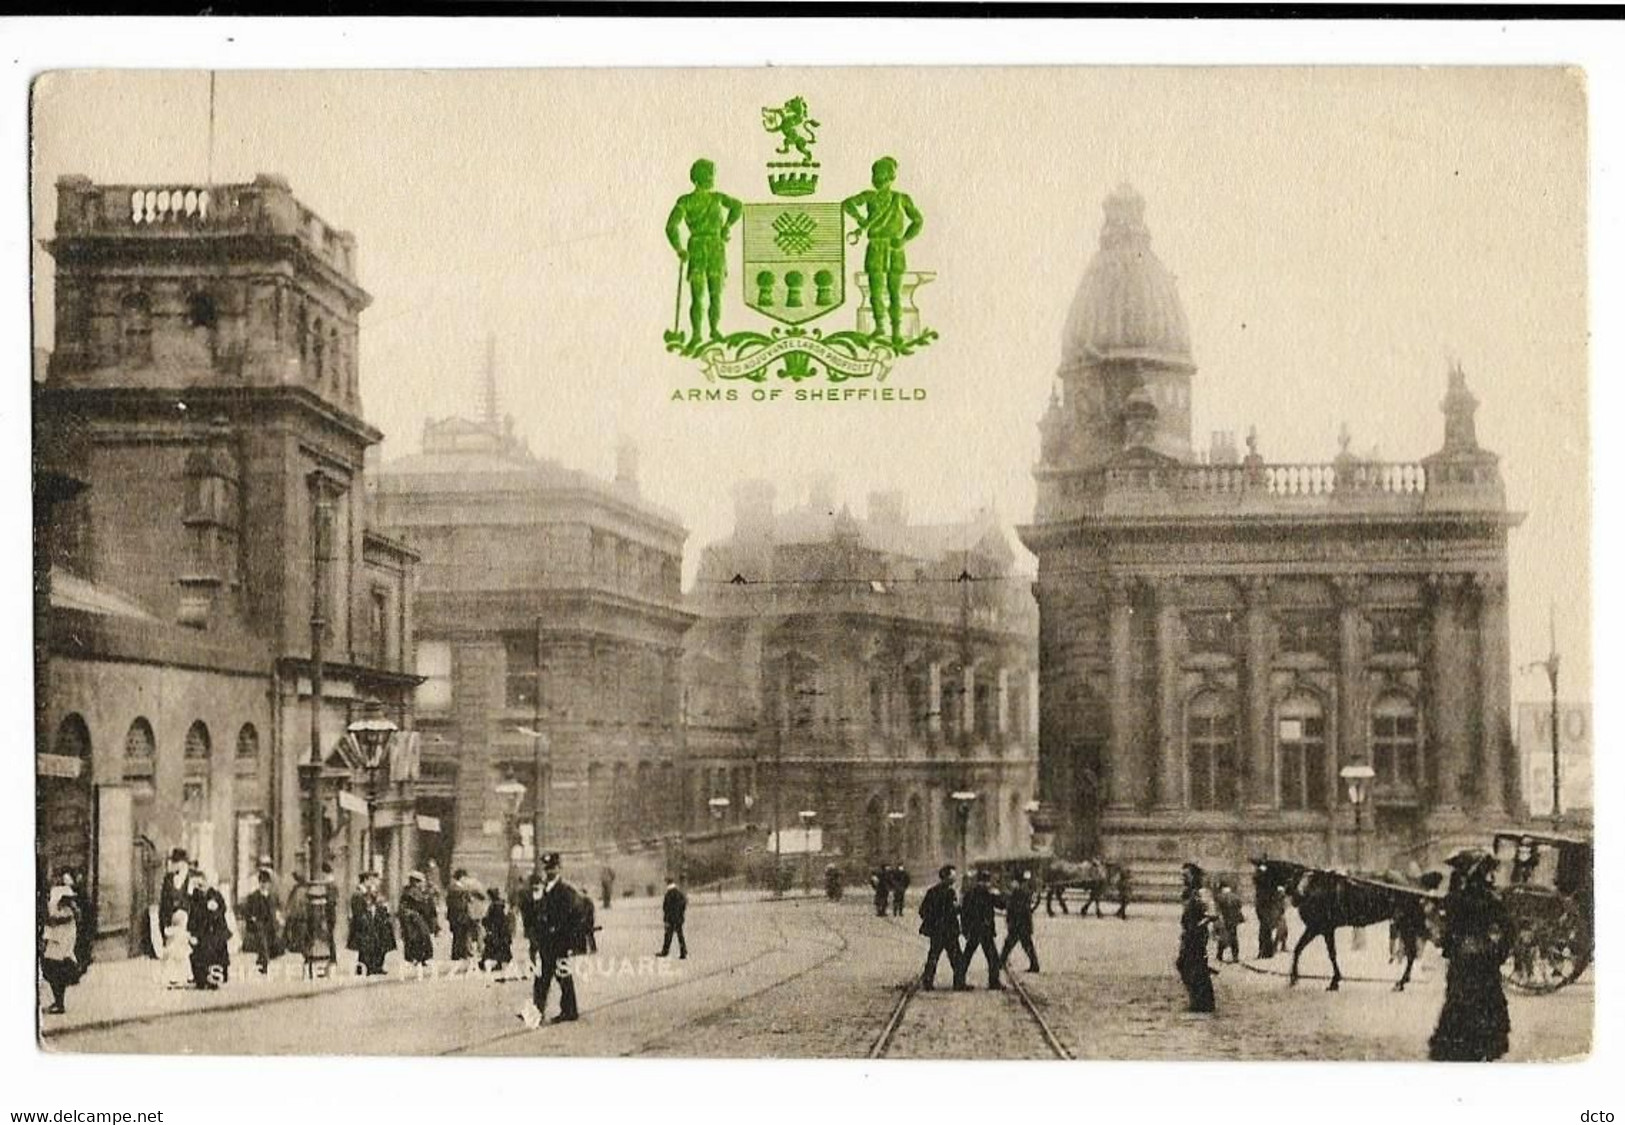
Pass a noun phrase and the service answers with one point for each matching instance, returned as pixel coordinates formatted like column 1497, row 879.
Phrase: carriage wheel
column 1549, row 950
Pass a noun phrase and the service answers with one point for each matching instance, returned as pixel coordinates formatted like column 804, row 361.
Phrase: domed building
column 1228, row 647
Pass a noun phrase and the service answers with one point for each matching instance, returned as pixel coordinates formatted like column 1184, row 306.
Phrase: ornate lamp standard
column 964, row 800
column 1357, row 778
column 372, row 733
column 894, row 823
column 807, row 817
column 324, row 491
column 512, row 793
column 719, row 809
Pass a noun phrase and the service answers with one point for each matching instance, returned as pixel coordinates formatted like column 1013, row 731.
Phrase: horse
column 1093, row 876
column 1327, row 900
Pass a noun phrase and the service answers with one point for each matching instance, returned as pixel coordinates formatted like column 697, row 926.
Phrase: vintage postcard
column 1000, row 563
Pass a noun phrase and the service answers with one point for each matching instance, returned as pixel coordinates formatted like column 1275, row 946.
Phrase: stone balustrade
column 1399, row 478
column 264, row 207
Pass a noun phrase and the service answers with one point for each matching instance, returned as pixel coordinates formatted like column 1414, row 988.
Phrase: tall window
column 248, row 747
column 1300, row 738
column 520, row 669
column 135, row 326
column 140, row 751
column 434, row 664
column 378, row 618
column 1394, row 743
column 1210, row 740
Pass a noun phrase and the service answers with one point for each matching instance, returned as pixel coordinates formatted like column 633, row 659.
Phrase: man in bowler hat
column 939, row 922
column 556, row 915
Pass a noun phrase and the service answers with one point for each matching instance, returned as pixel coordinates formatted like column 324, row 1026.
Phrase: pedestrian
column 59, row 939
column 606, row 886
column 498, row 948
column 557, row 925
column 1095, row 885
column 673, row 909
column 460, row 914
column 420, row 921
column 1195, row 919
column 899, row 887
column 880, row 881
column 209, row 923
column 84, row 918
column 976, row 919
column 262, row 922
column 372, row 931
column 1269, row 903
column 173, row 895
column 178, row 952
column 1019, row 906
column 589, row 937
column 1473, row 1023
column 1125, row 886
column 1231, row 917
column 939, row 924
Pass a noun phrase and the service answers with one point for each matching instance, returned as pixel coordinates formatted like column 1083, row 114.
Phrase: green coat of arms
column 794, row 250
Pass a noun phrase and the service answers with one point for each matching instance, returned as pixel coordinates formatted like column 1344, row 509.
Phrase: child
column 178, row 952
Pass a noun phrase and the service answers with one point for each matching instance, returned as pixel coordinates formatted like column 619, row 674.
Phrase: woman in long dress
column 1473, row 1024
column 420, row 920
column 1195, row 923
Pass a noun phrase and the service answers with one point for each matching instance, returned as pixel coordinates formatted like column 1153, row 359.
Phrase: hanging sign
column 349, row 802
column 63, row 766
column 428, row 823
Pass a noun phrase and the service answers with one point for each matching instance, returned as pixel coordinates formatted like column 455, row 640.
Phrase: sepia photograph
column 938, row 563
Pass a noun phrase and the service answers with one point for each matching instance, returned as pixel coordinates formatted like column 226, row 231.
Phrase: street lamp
column 1549, row 666
column 807, row 817
column 372, row 733
column 964, row 799
column 1357, row 777
column 512, row 792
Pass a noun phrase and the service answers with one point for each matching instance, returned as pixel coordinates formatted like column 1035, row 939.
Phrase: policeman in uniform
column 976, row 916
column 1019, row 906
column 556, row 938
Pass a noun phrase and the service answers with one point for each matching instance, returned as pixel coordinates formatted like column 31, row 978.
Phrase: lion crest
column 795, row 128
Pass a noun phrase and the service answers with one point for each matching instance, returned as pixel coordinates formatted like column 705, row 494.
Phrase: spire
column 491, row 418
column 1459, row 406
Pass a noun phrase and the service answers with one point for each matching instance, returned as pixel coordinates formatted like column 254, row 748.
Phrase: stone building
column 205, row 365
column 1219, row 639
column 550, row 623
column 864, row 670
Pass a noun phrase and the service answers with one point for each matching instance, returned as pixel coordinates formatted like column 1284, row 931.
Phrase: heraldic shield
column 795, row 259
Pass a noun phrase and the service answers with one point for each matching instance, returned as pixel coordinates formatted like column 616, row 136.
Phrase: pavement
column 804, row 977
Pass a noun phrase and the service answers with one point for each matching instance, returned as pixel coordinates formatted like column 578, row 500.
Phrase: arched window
column 63, row 798
column 917, row 690
column 135, row 329
column 140, row 751
column 248, row 746
column 1300, row 740
column 301, row 334
column 1210, row 740
column 318, row 352
column 1395, row 744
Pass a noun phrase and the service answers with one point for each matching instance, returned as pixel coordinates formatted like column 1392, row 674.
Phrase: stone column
column 967, row 705
column 1259, row 746
column 1004, row 701
column 1170, row 732
column 1032, row 707
column 1123, row 784
column 1494, row 703
column 1447, row 713
column 1352, row 743
column 934, row 710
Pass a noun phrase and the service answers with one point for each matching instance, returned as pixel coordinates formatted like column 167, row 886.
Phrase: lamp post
column 324, row 489
column 372, row 733
column 964, row 800
column 719, row 809
column 807, row 817
column 894, row 822
column 1357, row 777
column 512, row 793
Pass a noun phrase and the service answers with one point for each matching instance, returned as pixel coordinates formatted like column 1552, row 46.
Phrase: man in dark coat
column 1195, row 920
column 530, row 917
column 173, row 895
column 498, row 949
column 557, row 919
column 1473, row 1023
column 1019, row 906
column 262, row 922
column 460, row 916
column 606, row 885
column 420, row 921
column 880, row 880
column 1125, row 884
column 899, row 887
column 1231, row 917
column 372, row 932
column 673, row 909
column 976, row 918
column 1269, row 903
column 939, row 923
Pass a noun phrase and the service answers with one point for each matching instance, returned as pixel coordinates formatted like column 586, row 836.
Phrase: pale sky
column 1338, row 235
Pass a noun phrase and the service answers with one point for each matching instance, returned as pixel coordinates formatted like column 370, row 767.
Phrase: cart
column 1548, row 893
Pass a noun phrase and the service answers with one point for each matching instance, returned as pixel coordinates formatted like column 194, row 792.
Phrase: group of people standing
column 946, row 917
column 890, row 884
column 195, row 926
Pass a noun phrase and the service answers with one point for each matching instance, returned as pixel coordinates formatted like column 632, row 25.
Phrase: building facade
column 550, row 626
column 1219, row 639
column 205, row 361
column 863, row 671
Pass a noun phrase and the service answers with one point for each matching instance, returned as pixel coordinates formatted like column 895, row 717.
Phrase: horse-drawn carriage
column 1548, row 893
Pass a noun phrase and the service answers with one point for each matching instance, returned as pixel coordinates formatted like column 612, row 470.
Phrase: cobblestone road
column 812, row 979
